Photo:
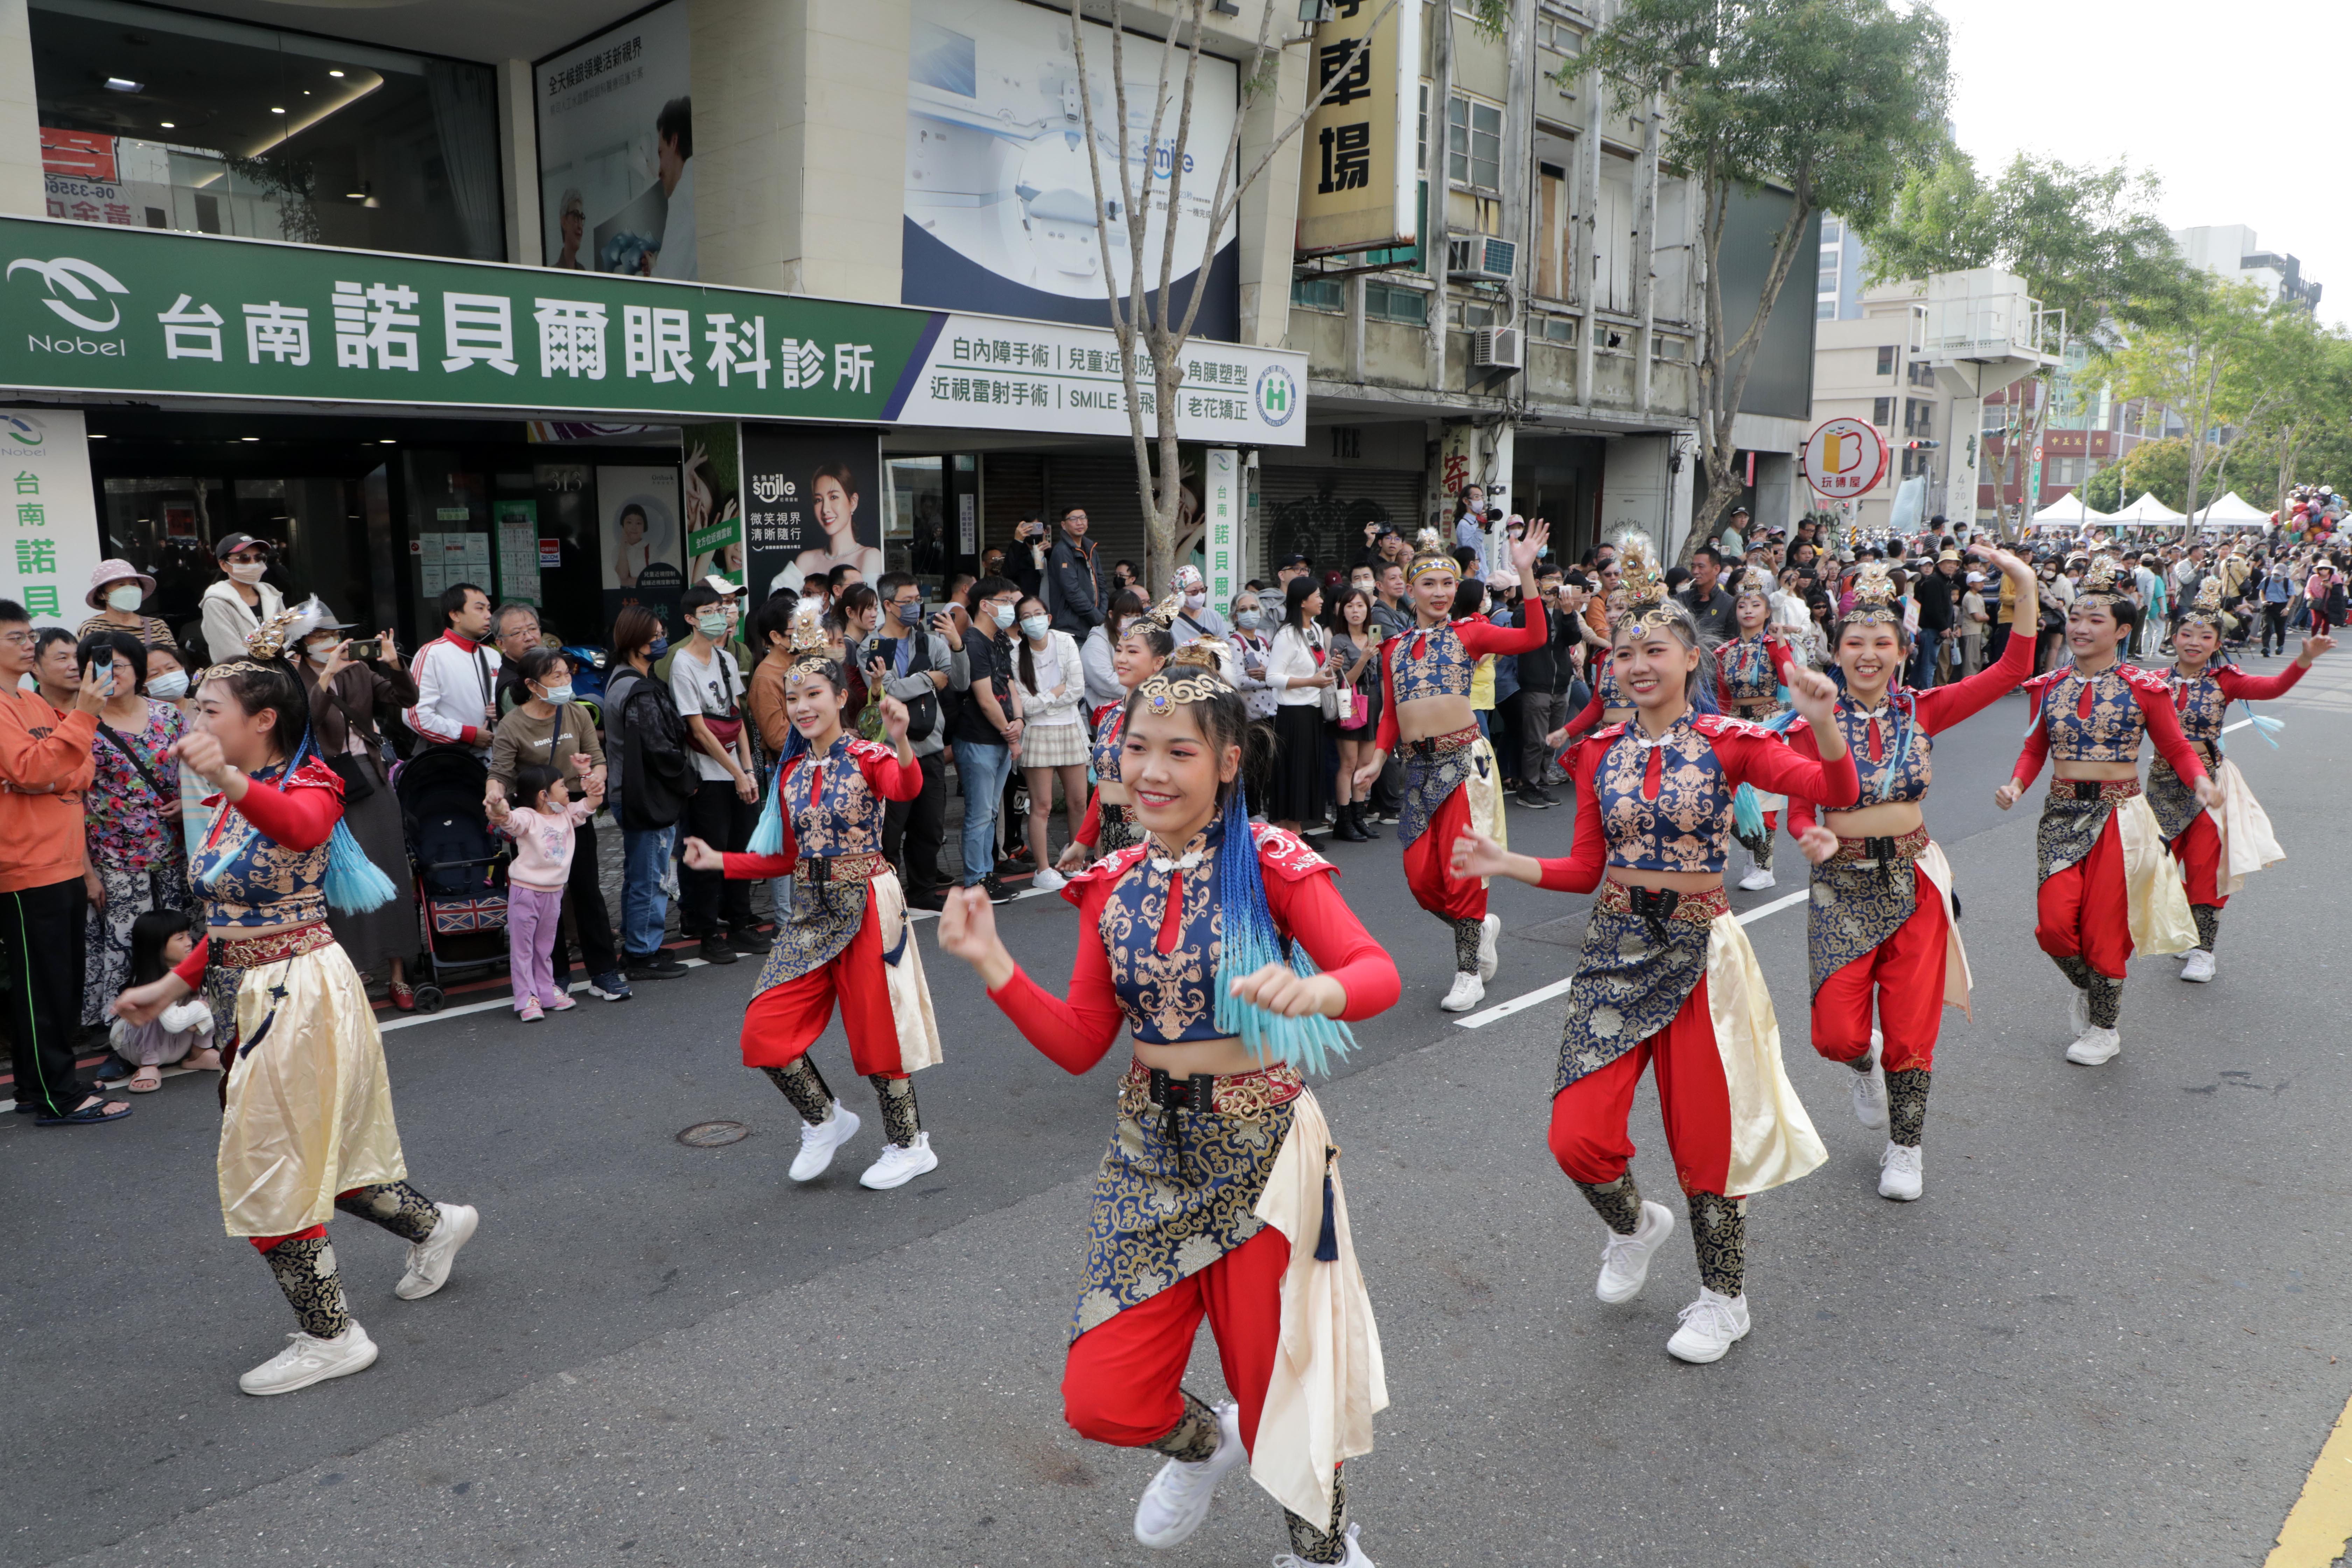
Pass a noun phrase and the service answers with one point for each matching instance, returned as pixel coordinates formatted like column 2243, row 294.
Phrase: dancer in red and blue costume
column 1747, row 686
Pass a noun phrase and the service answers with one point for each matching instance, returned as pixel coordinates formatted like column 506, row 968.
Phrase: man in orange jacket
column 45, row 765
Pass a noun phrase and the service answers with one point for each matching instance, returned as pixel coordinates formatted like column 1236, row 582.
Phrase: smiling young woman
column 1220, row 1194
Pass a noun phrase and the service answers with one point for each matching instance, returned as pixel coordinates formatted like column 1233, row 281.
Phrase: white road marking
column 1543, row 993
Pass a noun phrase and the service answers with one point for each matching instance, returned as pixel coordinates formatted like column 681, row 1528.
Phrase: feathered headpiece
column 1875, row 598
column 1192, row 674
column 808, row 643
column 1640, row 597
column 265, row 645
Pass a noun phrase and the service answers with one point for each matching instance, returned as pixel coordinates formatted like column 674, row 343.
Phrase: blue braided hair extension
column 355, row 884
column 1249, row 943
column 768, row 835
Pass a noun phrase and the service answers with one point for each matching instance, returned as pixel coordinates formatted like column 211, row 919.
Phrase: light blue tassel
column 767, row 838
column 2265, row 725
column 355, row 884
column 1248, row 944
column 1747, row 816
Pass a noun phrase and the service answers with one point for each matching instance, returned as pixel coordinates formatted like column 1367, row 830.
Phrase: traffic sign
column 1844, row 459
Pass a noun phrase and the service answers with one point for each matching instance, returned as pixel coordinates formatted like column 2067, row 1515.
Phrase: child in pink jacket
column 542, row 830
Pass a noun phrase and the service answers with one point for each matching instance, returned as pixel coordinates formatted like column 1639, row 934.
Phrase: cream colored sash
column 1328, row 1381
column 2247, row 842
column 1486, row 814
column 1958, row 982
column 910, row 998
column 2152, row 886
column 1772, row 1138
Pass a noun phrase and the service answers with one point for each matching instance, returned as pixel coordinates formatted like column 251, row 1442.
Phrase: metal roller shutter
column 1322, row 511
column 1104, row 485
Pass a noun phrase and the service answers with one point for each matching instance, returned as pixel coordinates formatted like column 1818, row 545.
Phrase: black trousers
column 707, row 899
column 919, row 826
column 41, row 969
column 587, row 917
column 2274, row 628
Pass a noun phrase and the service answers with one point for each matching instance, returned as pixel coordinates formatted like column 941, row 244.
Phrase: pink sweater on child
column 543, row 845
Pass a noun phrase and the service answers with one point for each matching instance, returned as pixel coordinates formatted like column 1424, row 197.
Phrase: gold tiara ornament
column 810, row 649
column 1428, row 559
column 1163, row 614
column 1639, row 600
column 264, row 645
column 1754, row 584
column 1875, row 600
column 2106, row 578
column 2207, row 610
column 1193, row 674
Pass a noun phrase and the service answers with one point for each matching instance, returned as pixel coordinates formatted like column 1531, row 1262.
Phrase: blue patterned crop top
column 2203, row 708
column 248, row 878
column 1431, row 663
column 2094, row 718
column 833, row 808
column 1110, row 744
column 1665, row 806
column 1612, row 694
column 1891, row 753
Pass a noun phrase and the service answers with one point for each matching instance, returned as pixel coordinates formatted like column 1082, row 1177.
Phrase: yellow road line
column 2320, row 1523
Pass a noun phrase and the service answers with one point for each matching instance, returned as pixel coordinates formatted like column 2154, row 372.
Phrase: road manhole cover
column 712, row 1134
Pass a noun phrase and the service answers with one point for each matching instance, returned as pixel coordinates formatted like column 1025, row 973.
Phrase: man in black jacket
column 1938, row 595
column 1544, row 677
column 1077, row 581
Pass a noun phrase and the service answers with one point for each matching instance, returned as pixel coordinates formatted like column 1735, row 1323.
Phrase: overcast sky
column 2229, row 105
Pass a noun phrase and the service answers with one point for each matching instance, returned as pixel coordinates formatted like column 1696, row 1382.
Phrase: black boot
column 1343, row 825
column 1364, row 821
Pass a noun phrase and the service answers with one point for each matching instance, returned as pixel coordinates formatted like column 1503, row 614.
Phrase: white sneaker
column 2199, row 967
column 1049, row 881
column 1467, row 992
column 1177, row 1500
column 429, row 1260
column 1898, row 1173
column 2094, row 1048
column 308, row 1359
column 1711, row 1325
column 1355, row 1558
column 2078, row 1013
column 1625, row 1260
column 1870, row 1089
column 1757, row 877
column 900, row 1165
column 818, row 1142
column 1490, row 958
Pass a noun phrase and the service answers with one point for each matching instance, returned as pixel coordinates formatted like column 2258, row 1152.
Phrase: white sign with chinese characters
column 1221, row 513
column 998, row 374
column 52, row 542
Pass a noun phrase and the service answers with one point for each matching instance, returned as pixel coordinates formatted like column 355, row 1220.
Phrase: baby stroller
column 455, row 857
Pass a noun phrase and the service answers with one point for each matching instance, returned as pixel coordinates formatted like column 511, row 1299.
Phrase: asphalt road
column 2110, row 1335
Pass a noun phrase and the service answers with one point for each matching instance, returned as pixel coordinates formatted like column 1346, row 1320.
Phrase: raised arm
column 1771, row 762
column 302, row 817
column 2236, row 686
column 1481, row 637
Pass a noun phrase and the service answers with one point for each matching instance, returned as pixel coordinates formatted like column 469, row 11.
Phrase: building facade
column 2229, row 250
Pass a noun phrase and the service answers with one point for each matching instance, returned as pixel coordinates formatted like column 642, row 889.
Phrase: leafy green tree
column 2199, row 366
column 1832, row 102
column 2297, row 390
column 2160, row 467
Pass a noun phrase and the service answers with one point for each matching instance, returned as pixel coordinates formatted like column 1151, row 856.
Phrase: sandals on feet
column 146, row 1081
column 96, row 1111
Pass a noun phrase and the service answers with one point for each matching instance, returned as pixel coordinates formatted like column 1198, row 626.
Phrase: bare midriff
column 1426, row 716
column 1680, row 881
column 2070, row 770
column 1886, row 819
column 1222, row 1057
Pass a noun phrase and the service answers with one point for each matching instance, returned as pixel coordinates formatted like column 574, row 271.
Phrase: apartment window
column 1318, row 294
column 1559, row 34
column 1832, row 231
column 1882, row 413
column 222, row 128
column 1554, row 328
column 1918, row 417
column 1825, row 308
column 1995, row 420
column 1394, row 302
column 1886, row 359
column 1421, row 148
column 1922, row 373
column 1473, row 143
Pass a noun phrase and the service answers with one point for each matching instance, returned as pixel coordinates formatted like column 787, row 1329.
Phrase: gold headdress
column 1875, row 598
column 1163, row 614
column 265, row 645
column 1194, row 673
column 1756, row 582
column 2105, row 578
column 1640, row 597
column 2207, row 610
column 810, row 649
column 1429, row 554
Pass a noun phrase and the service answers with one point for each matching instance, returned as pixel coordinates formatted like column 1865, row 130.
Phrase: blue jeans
column 1922, row 658
column 982, row 771
column 644, row 908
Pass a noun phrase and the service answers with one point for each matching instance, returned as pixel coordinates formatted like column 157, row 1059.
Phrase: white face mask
column 318, row 651
column 1004, row 613
column 1036, row 626
column 127, row 597
column 247, row 572
column 169, row 687
column 1196, row 601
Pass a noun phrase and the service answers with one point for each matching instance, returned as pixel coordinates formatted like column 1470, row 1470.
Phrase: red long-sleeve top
column 1748, row 756
column 889, row 777
column 1479, row 636
column 1934, row 710
column 297, row 819
column 1075, row 1034
column 2152, row 695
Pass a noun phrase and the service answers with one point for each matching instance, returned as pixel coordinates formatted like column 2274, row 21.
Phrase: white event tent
column 2067, row 511
column 2146, row 510
column 2232, row 510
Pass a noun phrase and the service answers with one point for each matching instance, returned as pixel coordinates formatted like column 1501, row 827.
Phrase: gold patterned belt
column 2093, row 789
column 1144, row 1089
column 250, row 951
column 1865, row 853
column 1699, row 908
column 1438, row 745
column 819, row 868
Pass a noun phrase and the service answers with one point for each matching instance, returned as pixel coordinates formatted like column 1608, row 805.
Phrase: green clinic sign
column 86, row 308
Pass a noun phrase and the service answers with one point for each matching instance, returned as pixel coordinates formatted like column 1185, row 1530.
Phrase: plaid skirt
column 1054, row 746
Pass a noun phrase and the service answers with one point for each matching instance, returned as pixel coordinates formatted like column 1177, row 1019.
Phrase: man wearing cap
column 238, row 605
column 1733, row 540
column 1293, row 566
column 116, row 592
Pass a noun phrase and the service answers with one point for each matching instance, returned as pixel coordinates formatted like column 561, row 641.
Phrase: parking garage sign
column 1844, row 459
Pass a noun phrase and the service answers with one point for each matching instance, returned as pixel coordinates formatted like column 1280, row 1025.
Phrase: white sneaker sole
column 930, row 1161
column 325, row 1373
column 1705, row 1356
column 1460, row 1001
column 847, row 1122
column 1756, row 881
column 2084, row 1054
column 1665, row 1231
column 1490, row 957
column 463, row 1220
column 1896, row 1193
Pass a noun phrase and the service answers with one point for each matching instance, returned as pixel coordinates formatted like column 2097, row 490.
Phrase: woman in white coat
column 1052, row 684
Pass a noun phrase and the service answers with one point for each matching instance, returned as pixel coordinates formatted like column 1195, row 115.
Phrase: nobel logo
column 110, row 348
column 75, row 277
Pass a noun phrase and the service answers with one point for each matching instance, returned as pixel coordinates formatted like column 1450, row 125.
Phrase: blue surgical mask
column 1004, row 613
column 1246, row 619
column 1036, row 626
column 911, row 615
column 560, row 695
column 658, row 648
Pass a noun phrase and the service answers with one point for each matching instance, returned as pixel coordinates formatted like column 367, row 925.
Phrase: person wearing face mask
column 117, row 590
column 1050, row 685
column 1196, row 619
column 1251, row 645
column 988, row 730
column 548, row 728
column 349, row 698
column 236, row 607
column 170, row 677
column 707, row 688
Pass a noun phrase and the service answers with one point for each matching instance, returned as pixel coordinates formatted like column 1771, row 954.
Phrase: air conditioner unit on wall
column 1497, row 348
column 1481, row 258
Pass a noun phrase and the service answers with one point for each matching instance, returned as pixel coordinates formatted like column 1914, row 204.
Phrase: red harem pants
column 1123, row 1382
column 1588, row 1118
column 2084, row 912
column 783, row 1021
column 1907, row 971
column 2199, row 851
column 1429, row 865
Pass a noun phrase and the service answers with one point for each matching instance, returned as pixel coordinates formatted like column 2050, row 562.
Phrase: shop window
column 1393, row 302
column 158, row 119
column 1318, row 294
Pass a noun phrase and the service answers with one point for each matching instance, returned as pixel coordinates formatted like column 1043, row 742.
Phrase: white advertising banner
column 51, row 518
column 987, row 373
column 617, row 150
